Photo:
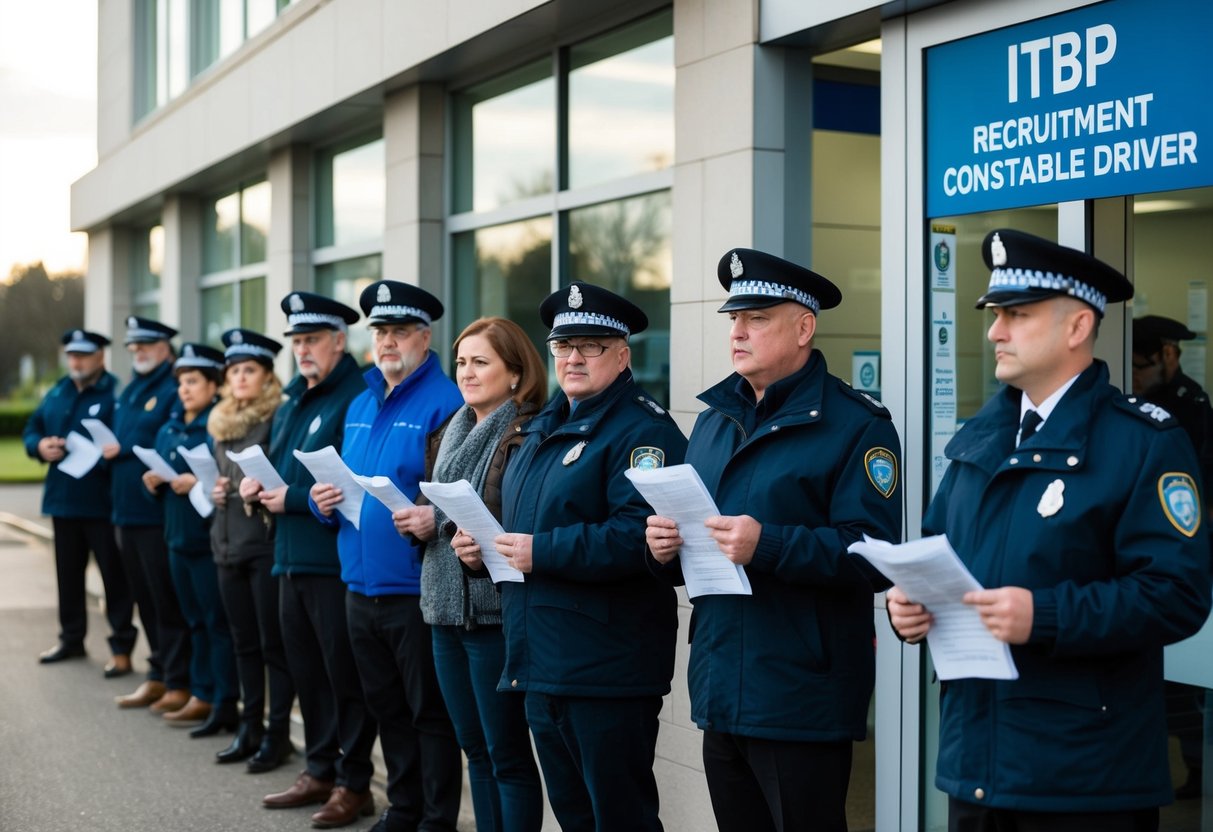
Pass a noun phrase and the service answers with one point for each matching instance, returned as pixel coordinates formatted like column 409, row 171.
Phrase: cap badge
column 132, row 322
column 237, row 337
column 189, row 351
column 575, row 299
column 296, row 303
column 77, row 335
column 1051, row 501
column 735, row 267
column 384, row 294
column 998, row 252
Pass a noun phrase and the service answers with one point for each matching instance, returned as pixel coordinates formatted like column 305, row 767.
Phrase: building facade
column 492, row 151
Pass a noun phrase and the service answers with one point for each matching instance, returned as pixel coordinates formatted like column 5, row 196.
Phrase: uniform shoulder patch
column 647, row 458
column 1146, row 411
column 881, row 467
column 1180, row 501
column 867, row 399
column 647, row 403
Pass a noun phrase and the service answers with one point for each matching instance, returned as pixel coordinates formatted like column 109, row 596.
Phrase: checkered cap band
column 773, row 290
column 240, row 350
column 386, row 311
column 83, row 345
column 589, row 319
column 297, row 318
column 1013, row 279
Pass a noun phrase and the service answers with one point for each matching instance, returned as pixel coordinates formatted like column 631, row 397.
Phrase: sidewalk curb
column 27, row 526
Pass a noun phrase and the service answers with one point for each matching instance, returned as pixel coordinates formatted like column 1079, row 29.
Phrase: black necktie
column 1027, row 428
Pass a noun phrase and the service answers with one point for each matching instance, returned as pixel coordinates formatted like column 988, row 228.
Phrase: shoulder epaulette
column 1146, row 411
column 871, row 402
column 647, row 404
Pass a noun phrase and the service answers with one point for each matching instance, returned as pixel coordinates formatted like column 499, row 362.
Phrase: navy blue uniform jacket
column 817, row 464
column 141, row 409
column 58, row 415
column 1113, row 577
column 590, row 620
column 186, row 532
column 308, row 420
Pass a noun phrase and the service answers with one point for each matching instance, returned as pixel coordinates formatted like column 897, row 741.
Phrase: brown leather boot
column 306, row 790
column 343, row 808
column 194, row 712
column 144, row 695
column 172, row 700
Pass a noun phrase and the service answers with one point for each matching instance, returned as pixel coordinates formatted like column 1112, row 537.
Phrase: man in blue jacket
column 1079, row 510
column 142, row 408
column 406, row 397
column 590, row 633
column 337, row 728
column 800, row 466
column 79, row 507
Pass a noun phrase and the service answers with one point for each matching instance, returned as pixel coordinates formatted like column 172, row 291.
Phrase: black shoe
column 247, row 741
column 275, row 750
column 223, row 717
column 61, row 652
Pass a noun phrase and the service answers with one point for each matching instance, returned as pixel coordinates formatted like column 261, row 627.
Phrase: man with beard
column 338, row 730
column 407, row 397
column 139, row 517
column 79, row 507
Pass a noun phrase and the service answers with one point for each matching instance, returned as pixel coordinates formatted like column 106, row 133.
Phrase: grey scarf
column 465, row 452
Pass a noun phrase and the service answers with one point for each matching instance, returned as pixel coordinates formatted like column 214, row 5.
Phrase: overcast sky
column 48, row 116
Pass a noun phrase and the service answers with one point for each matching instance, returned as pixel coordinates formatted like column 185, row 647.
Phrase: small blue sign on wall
column 1106, row 100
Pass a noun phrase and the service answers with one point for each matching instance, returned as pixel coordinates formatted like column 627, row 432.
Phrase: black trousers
column 337, row 727
column 75, row 537
column 145, row 561
column 250, row 598
column 759, row 785
column 969, row 817
column 394, row 650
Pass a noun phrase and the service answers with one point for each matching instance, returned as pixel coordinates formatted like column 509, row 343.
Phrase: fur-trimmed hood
column 229, row 420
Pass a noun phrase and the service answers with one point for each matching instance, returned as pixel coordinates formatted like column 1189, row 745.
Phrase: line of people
column 390, row 626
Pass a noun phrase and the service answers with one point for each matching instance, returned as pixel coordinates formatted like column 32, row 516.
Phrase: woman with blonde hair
column 502, row 379
column 242, row 540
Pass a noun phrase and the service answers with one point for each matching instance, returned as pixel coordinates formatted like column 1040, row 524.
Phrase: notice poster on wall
column 942, row 346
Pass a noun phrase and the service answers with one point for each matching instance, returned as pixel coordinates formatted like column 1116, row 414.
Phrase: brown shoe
column 195, row 711
column 343, row 808
column 306, row 791
column 119, row 665
column 144, row 695
column 173, row 700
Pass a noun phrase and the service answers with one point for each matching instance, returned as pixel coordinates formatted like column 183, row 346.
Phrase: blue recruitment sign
column 1106, row 100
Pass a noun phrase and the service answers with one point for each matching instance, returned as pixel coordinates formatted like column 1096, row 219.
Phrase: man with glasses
column 405, row 398
column 590, row 633
column 800, row 466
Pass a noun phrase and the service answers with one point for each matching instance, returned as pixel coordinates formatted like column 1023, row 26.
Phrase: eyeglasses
column 588, row 349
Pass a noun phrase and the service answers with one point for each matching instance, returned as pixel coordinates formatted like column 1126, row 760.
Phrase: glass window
column 344, row 281
column 621, row 103
column 219, row 312
column 148, row 259
column 505, row 134
column 220, row 234
column 351, row 189
column 252, row 303
column 505, row 270
column 624, row 246
column 254, row 222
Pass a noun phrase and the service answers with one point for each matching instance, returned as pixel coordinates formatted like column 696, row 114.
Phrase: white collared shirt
column 1045, row 408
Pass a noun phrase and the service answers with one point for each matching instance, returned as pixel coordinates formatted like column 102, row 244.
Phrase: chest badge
column 314, row 426
column 574, row 453
column 94, row 409
column 1051, row 501
column 151, row 404
column 648, row 458
column 1177, row 493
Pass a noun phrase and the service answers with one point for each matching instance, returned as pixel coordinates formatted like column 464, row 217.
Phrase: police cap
column 198, row 357
column 756, row 280
column 1152, row 331
column 146, row 331
column 586, row 309
column 310, row 312
column 1025, row 268
column 393, row 302
column 81, row 340
column 246, row 345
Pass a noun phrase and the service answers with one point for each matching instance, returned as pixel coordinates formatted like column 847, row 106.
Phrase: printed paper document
column 82, row 456
column 203, row 465
column 100, row 431
column 463, row 505
column 256, row 466
column 326, row 465
column 385, row 491
column 155, row 463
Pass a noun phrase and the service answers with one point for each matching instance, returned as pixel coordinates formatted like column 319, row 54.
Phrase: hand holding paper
column 203, row 465
column 155, row 463
column 82, row 456
column 100, row 432
column 256, row 466
column 462, row 504
column 327, row 466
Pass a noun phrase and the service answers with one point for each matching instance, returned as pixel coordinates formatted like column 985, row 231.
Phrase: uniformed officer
column 590, row 633
column 79, row 507
column 800, row 466
column 1079, row 509
column 337, row 728
column 142, row 408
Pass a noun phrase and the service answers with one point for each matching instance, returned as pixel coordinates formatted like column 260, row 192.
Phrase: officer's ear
column 1081, row 324
column 806, row 325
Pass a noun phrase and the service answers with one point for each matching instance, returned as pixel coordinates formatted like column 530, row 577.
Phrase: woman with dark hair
column 242, row 539
column 502, row 379
column 198, row 371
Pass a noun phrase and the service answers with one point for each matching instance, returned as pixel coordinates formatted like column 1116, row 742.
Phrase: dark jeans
column 491, row 727
column 760, row 785
column 396, row 664
column 212, row 657
column 145, row 562
column 969, row 817
column 250, row 599
column 597, row 758
column 75, row 537
column 337, row 727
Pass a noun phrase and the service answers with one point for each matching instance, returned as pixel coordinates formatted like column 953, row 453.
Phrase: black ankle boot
column 247, row 741
column 275, row 749
column 223, row 717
